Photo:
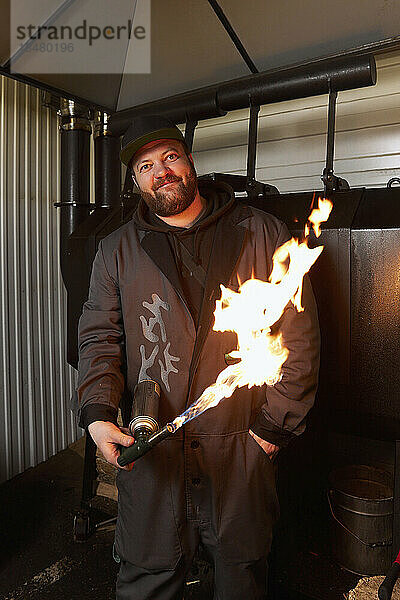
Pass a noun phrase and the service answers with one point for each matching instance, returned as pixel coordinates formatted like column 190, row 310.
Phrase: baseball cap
column 147, row 129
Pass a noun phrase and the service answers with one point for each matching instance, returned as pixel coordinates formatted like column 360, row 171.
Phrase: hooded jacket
column 137, row 324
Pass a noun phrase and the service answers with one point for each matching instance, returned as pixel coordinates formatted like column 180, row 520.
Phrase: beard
column 167, row 202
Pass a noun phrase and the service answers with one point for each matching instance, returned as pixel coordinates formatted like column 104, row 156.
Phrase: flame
column 319, row 215
column 251, row 313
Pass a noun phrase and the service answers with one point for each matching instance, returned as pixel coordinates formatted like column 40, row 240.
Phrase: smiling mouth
column 166, row 184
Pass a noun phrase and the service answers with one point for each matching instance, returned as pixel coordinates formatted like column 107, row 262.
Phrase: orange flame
column 319, row 215
column 252, row 311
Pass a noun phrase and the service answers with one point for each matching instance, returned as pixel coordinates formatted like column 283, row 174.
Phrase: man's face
column 165, row 176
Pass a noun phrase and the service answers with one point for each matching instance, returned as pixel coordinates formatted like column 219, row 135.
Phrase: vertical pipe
column 107, row 163
column 75, row 201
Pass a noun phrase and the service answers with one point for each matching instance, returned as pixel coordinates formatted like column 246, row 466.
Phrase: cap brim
column 130, row 150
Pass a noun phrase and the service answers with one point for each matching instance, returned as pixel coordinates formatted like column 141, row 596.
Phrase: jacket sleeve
column 101, row 348
column 283, row 416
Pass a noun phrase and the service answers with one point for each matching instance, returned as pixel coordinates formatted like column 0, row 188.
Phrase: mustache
column 169, row 178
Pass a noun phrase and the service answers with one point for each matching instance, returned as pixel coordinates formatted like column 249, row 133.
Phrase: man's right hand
column 108, row 437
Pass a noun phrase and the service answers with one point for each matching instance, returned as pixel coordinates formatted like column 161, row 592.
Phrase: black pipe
column 107, row 171
column 301, row 81
column 298, row 81
column 75, row 174
column 107, row 165
column 75, row 207
column 190, row 106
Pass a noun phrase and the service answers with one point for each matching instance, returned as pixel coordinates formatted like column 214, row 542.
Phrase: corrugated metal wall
column 292, row 137
column 35, row 380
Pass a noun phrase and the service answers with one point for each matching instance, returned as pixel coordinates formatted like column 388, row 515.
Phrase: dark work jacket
column 136, row 325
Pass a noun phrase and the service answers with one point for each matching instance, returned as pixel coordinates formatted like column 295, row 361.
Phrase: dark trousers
column 231, row 581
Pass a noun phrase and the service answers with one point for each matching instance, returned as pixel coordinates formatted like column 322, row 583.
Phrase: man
column 149, row 316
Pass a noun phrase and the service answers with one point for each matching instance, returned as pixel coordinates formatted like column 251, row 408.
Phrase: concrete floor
column 39, row 559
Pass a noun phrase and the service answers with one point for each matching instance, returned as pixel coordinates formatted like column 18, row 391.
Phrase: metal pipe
column 106, row 163
column 298, row 81
column 75, row 203
column 75, row 174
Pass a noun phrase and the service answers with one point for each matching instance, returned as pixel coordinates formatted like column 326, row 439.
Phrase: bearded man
column 149, row 315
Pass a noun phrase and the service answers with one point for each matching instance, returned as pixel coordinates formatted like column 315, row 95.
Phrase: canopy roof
column 189, row 46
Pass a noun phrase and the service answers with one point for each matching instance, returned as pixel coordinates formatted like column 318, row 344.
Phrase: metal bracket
column 332, row 182
column 189, row 132
column 253, row 187
column 251, row 183
column 239, row 184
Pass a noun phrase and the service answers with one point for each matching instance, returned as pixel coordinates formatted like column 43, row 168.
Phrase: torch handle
column 143, row 445
column 386, row 588
column 130, row 454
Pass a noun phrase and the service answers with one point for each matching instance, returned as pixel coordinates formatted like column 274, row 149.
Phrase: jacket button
column 196, row 481
column 195, row 444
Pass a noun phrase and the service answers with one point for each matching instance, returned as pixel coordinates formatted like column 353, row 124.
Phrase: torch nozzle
column 144, row 443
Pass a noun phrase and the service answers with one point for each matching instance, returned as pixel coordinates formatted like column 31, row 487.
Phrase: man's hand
column 268, row 448
column 107, row 438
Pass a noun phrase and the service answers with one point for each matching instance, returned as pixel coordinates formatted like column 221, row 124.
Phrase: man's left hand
column 268, row 448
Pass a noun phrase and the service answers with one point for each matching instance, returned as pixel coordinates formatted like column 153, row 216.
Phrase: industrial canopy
column 125, row 53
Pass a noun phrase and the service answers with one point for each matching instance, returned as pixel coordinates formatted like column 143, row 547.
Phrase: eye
column 144, row 168
column 172, row 156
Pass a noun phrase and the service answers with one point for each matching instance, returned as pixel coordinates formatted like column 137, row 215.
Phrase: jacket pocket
column 146, row 533
column 249, row 504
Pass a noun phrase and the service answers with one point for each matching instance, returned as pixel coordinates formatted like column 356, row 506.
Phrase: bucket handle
column 369, row 544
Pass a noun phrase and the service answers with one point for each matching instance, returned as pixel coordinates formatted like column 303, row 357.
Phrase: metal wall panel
column 35, row 380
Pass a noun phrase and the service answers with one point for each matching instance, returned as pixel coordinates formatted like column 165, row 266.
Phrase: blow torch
column 144, row 422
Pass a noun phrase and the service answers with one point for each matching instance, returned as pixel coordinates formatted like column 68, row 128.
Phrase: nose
column 159, row 170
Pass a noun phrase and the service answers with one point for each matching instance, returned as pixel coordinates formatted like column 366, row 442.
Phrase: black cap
column 144, row 130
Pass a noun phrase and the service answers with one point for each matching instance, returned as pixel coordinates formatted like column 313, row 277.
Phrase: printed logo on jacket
column 153, row 327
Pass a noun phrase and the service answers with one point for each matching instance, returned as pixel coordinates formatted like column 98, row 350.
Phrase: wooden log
column 367, row 589
column 107, row 490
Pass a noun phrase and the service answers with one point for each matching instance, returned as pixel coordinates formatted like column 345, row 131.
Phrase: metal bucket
column 361, row 503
